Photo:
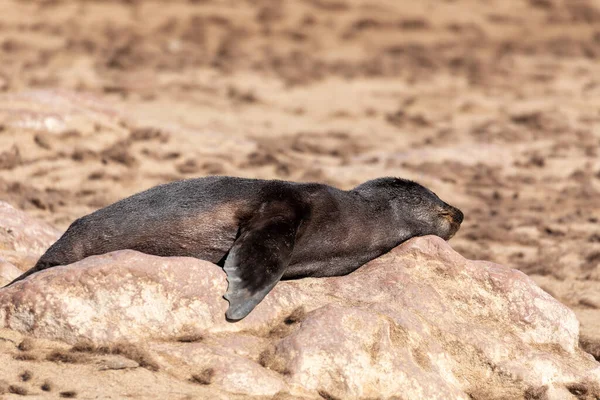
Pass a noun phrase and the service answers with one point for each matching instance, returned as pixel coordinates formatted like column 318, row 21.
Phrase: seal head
column 416, row 208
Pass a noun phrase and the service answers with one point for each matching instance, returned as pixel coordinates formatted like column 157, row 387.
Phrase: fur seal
column 260, row 231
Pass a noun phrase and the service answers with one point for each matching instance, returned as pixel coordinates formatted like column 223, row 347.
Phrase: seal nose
column 458, row 216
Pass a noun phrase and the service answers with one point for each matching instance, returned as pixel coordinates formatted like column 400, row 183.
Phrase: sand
column 494, row 105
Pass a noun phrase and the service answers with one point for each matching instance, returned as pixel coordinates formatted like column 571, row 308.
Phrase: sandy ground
column 494, row 105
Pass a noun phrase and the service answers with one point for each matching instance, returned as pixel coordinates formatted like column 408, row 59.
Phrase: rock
column 218, row 366
column 8, row 272
column 116, row 362
column 23, row 239
column 583, row 297
column 418, row 322
column 124, row 295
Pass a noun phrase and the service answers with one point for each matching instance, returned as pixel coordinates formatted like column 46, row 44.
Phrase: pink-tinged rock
column 423, row 320
column 420, row 322
column 239, row 375
column 351, row 352
column 124, row 295
column 23, row 239
column 8, row 272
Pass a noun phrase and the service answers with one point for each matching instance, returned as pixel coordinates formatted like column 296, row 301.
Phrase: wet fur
column 260, row 231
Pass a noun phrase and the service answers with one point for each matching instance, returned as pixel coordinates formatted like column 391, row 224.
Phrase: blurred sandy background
column 495, row 105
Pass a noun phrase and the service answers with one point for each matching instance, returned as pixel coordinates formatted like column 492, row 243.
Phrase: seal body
column 260, row 231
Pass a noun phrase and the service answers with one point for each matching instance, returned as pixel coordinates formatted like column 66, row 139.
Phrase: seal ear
column 259, row 257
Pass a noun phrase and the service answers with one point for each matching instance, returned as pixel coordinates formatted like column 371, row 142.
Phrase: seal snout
column 455, row 217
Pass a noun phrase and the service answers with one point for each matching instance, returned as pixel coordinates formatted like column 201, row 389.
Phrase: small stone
column 116, row 362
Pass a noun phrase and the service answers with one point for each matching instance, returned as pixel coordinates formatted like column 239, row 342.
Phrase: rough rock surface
column 418, row 322
column 583, row 297
column 8, row 272
column 23, row 239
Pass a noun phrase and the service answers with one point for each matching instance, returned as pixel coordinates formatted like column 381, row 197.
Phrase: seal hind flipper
column 43, row 263
column 66, row 250
column 259, row 258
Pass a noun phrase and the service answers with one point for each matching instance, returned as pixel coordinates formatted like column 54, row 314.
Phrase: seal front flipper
column 259, row 257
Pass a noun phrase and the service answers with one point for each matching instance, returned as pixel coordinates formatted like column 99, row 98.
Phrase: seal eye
column 413, row 200
column 447, row 215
